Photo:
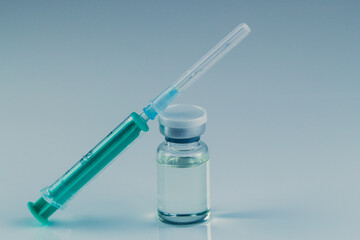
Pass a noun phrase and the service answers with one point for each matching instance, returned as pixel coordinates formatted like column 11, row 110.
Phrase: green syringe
column 55, row 196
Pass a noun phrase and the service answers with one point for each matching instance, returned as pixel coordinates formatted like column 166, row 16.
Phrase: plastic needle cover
column 159, row 104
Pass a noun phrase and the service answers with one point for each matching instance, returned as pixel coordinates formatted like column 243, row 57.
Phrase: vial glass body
column 183, row 182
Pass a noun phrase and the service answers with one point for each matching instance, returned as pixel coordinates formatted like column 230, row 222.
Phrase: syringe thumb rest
column 41, row 210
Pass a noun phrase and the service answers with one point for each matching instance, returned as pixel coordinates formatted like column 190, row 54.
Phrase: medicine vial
column 183, row 166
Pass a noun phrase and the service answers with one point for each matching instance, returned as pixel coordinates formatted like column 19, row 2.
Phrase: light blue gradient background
column 283, row 107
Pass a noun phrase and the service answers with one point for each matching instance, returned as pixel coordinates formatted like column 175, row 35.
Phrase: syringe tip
column 160, row 103
column 245, row 27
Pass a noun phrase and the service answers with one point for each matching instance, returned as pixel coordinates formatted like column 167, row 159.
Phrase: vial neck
column 183, row 146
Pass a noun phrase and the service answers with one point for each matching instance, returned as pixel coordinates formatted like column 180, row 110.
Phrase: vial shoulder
column 182, row 155
column 186, row 149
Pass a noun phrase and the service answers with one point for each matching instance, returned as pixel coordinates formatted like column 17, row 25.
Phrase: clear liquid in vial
column 183, row 190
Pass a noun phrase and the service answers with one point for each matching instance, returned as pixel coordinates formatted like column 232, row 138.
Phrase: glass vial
column 183, row 166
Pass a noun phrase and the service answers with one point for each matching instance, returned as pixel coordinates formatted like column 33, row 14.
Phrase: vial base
column 184, row 218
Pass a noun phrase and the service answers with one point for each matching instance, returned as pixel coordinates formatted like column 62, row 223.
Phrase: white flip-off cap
column 183, row 121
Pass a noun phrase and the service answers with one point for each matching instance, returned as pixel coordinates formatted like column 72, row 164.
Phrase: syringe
column 55, row 196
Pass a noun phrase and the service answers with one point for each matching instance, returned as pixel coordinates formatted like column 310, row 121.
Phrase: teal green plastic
column 89, row 166
column 41, row 210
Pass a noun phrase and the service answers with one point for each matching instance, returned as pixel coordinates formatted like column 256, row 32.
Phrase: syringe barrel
column 60, row 192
